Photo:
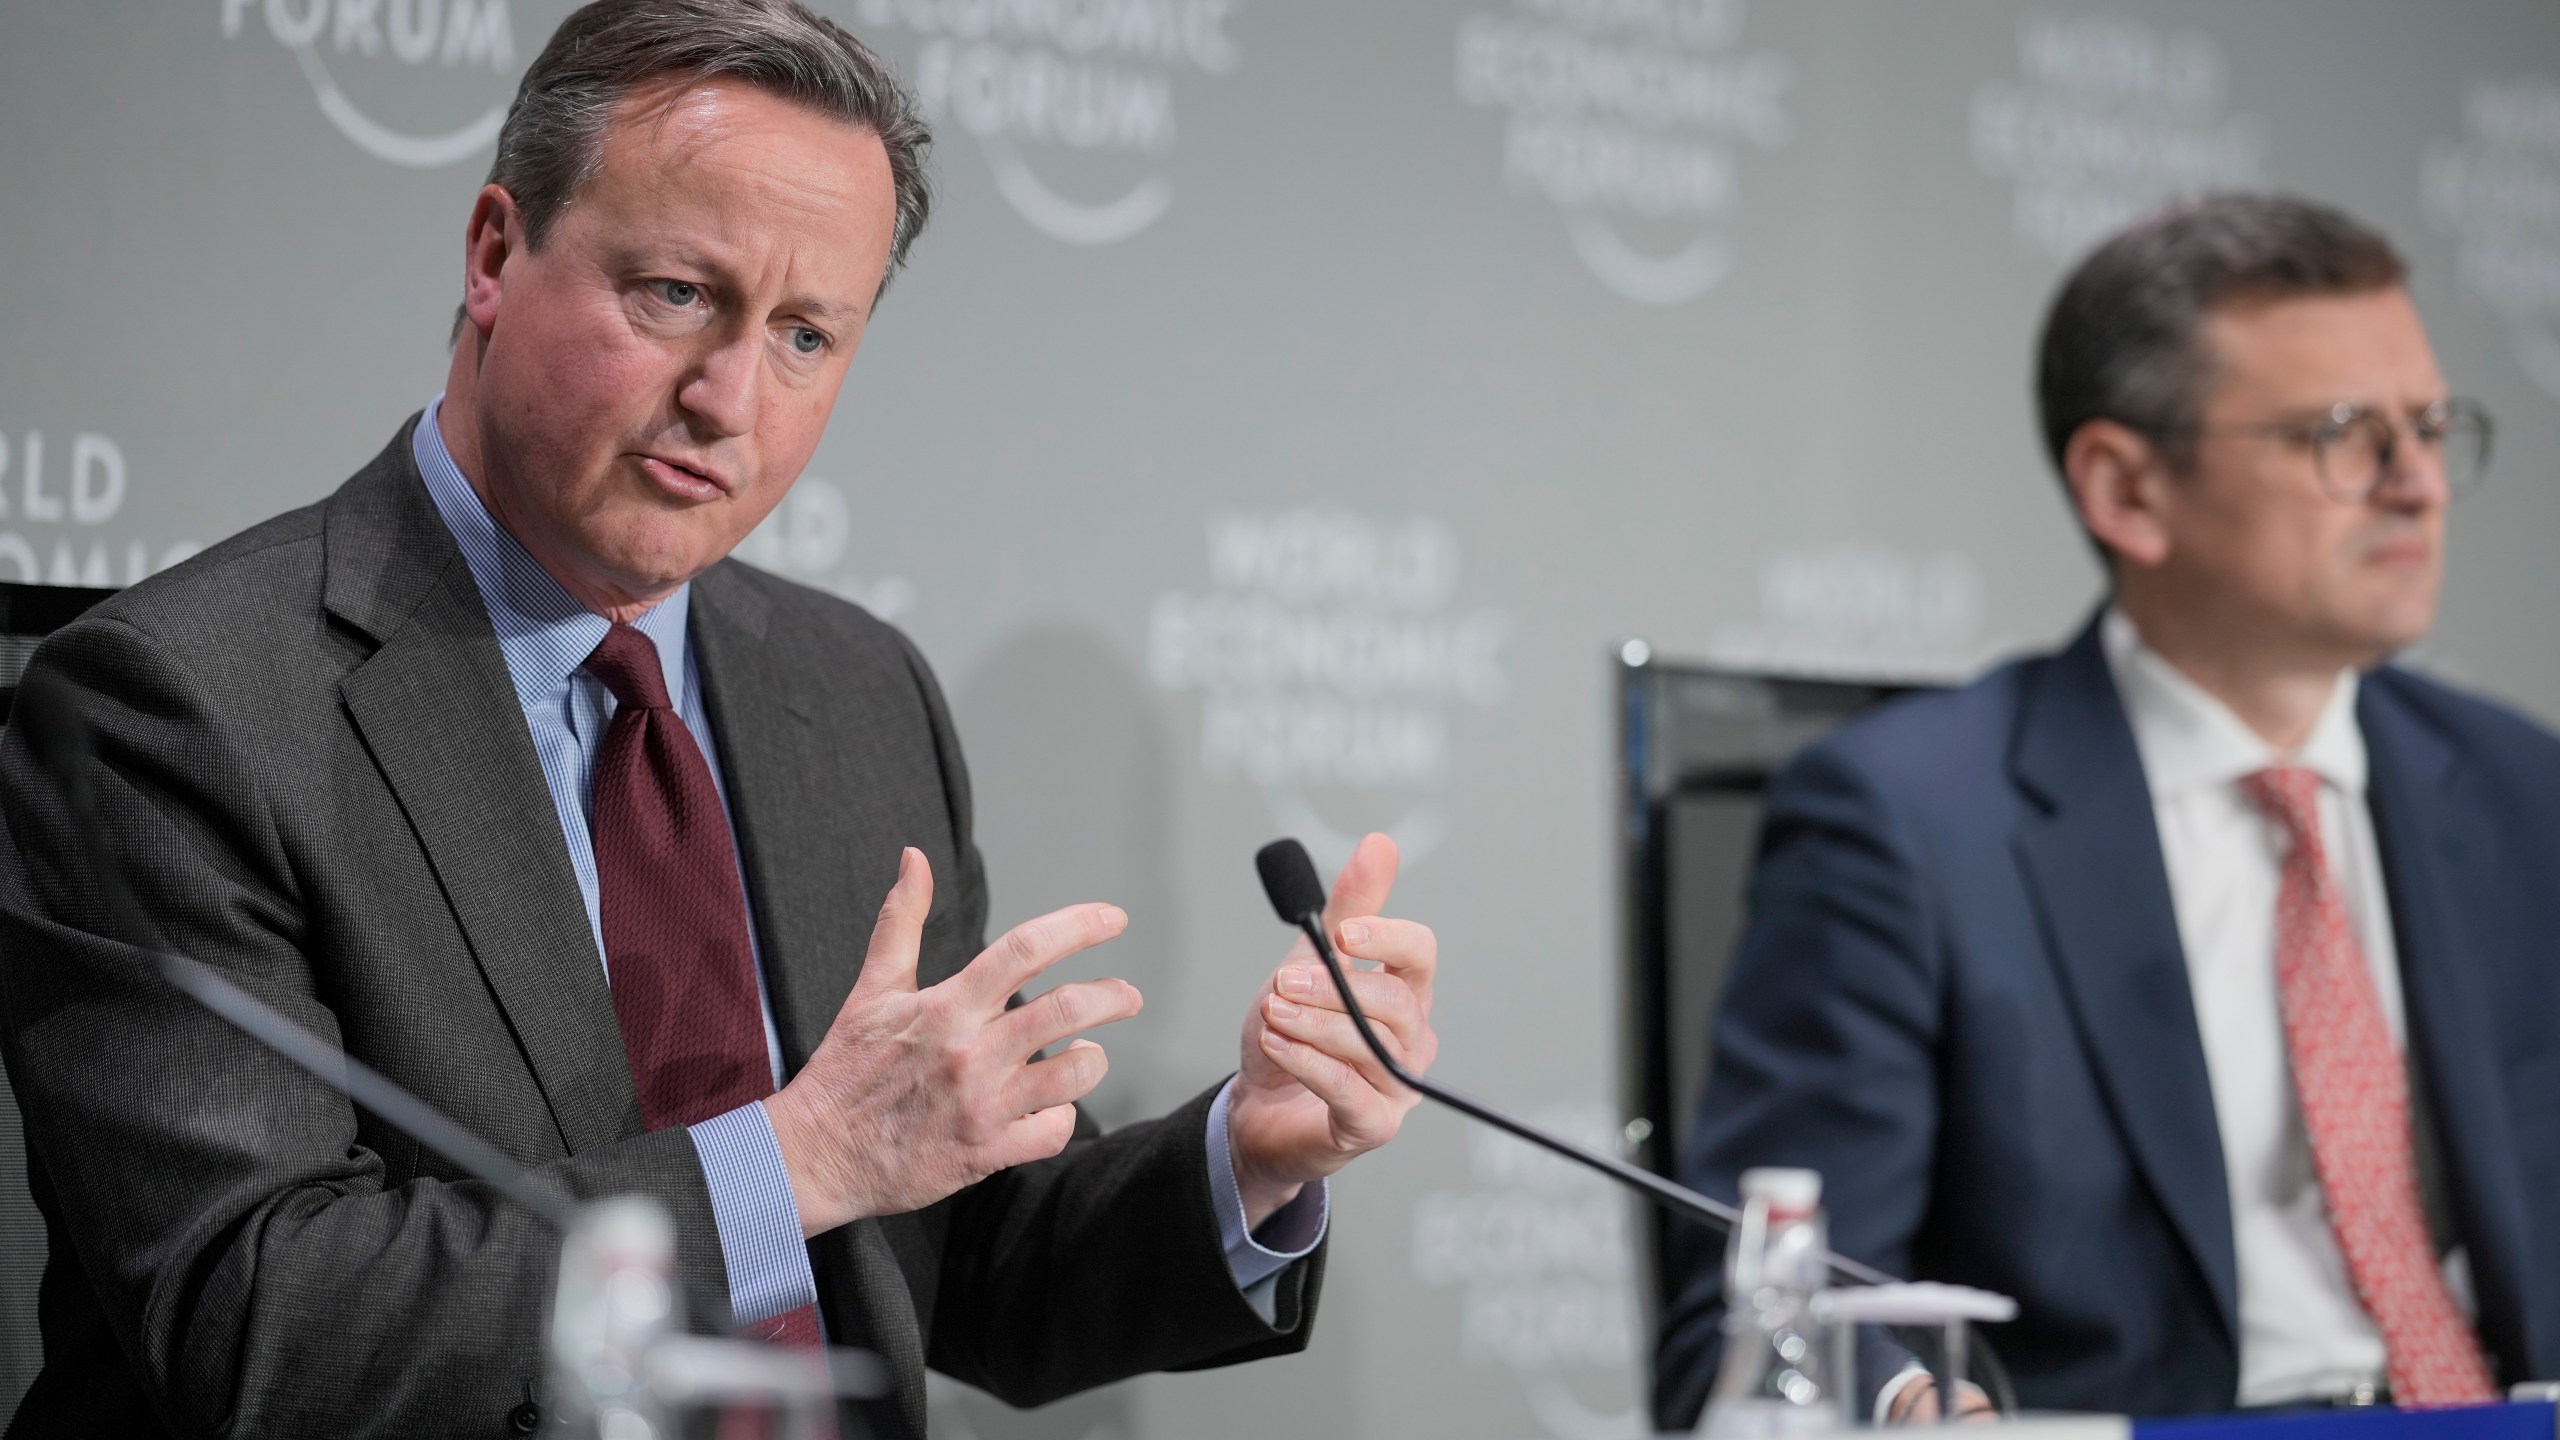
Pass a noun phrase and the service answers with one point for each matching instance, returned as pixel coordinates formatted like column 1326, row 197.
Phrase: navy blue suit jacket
column 1962, row 998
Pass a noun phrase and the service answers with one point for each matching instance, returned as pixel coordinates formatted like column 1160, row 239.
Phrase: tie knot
column 627, row 662
column 2290, row 796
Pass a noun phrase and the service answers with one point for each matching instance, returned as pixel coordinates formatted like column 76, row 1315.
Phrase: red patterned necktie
column 2355, row 1104
column 675, row 917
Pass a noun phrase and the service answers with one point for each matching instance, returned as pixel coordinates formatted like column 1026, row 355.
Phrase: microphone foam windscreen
column 1289, row 878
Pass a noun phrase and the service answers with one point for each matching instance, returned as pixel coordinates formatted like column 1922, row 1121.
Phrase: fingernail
column 1274, row 1040
column 1297, row 980
column 1354, row 933
column 1280, row 1009
column 1115, row 918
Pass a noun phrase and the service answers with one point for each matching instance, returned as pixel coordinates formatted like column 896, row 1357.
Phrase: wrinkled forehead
column 732, row 165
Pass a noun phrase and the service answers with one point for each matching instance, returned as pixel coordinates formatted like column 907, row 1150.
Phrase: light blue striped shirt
column 546, row 637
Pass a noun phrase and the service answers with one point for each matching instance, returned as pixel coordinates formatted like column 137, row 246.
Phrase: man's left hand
column 1310, row 1096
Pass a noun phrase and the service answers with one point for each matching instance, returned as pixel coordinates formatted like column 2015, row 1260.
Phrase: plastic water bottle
column 1775, row 1376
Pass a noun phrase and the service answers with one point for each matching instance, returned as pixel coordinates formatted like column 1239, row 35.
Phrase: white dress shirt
column 2303, row 1333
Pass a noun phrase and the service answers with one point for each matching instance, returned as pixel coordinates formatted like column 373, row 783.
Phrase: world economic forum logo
column 809, row 538
column 1861, row 611
column 420, row 83
column 1072, row 102
column 2108, row 117
column 2496, row 191
column 62, row 514
column 1540, row 1257
column 1629, row 118
column 1331, row 654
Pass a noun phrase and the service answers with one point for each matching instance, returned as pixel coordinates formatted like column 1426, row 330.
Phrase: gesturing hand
column 1310, row 1096
column 915, row 1094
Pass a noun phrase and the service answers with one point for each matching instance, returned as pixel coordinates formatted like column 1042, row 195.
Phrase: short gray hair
column 553, row 139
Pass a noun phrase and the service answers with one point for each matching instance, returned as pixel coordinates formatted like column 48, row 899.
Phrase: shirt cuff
column 758, row 1220
column 1293, row 1231
column 1912, row 1371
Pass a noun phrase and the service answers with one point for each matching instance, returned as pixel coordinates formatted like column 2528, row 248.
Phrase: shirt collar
column 2191, row 741
column 543, row 631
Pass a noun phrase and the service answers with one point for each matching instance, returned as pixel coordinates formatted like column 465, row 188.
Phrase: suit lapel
column 439, row 714
column 802, row 842
column 2427, row 828
column 2091, row 857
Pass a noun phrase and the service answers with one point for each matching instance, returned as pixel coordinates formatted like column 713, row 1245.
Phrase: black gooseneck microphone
column 1289, row 879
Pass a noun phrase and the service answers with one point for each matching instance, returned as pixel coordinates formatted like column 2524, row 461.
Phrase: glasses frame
column 2322, row 432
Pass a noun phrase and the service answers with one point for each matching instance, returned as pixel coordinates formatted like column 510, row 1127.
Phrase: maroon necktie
column 675, row 918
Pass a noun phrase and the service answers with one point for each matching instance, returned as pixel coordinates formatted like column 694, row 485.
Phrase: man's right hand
column 915, row 1094
column 1917, row 1404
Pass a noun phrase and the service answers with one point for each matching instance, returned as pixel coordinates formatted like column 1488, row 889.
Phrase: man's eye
column 679, row 293
column 807, row 341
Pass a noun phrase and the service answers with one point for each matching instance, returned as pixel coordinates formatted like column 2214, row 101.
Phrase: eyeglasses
column 2356, row 448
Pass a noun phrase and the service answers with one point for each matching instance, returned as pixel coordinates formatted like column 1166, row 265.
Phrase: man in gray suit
column 492, row 768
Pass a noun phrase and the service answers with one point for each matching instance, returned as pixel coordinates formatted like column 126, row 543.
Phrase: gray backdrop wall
column 1289, row 405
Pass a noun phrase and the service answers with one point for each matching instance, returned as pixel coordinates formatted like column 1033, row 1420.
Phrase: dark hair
column 2121, row 341
column 553, row 139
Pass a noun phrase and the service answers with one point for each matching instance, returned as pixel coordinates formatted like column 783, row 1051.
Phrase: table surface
column 2524, row 1420
column 2518, row 1420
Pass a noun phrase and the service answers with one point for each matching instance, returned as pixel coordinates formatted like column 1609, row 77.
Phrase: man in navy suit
column 2199, row 985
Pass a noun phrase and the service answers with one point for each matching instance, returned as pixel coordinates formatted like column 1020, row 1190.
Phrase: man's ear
column 2120, row 485
column 492, row 237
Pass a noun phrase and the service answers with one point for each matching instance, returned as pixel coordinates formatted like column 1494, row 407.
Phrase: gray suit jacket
column 312, row 764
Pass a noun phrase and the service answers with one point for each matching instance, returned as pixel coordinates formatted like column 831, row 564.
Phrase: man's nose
column 2413, row 478
column 720, row 393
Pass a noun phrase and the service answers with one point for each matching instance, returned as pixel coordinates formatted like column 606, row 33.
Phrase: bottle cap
column 1787, row 1191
